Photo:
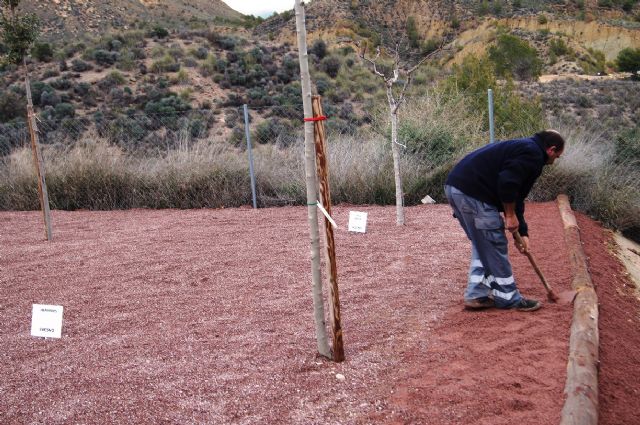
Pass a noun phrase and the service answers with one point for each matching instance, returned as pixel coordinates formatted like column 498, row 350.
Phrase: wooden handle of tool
column 516, row 234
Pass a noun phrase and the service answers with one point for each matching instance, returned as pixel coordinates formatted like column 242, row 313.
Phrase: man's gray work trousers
column 490, row 271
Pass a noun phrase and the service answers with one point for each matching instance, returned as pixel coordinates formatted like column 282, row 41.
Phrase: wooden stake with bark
column 37, row 158
column 325, row 196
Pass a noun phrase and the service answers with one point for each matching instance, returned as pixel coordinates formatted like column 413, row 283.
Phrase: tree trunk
column 312, row 184
column 395, row 151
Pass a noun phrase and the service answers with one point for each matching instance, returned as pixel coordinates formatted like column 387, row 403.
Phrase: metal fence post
column 248, row 136
column 491, row 129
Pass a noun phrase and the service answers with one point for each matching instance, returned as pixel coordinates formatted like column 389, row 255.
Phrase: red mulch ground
column 205, row 316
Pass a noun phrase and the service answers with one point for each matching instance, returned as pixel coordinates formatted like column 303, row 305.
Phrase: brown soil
column 205, row 316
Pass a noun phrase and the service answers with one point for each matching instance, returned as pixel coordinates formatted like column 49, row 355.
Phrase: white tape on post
column 326, row 214
column 46, row 321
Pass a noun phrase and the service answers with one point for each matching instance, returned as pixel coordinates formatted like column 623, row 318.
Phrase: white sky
column 262, row 8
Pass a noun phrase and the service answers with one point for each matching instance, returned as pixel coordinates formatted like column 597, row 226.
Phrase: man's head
column 553, row 144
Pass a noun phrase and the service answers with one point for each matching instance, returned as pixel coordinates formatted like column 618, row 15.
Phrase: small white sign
column 357, row 221
column 46, row 321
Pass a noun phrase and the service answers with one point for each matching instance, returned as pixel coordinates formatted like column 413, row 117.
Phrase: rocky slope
column 63, row 19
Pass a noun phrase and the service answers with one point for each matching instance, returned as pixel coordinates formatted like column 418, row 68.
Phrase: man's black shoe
column 479, row 303
column 527, row 305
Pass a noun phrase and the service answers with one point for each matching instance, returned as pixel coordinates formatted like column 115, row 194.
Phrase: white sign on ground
column 46, row 320
column 357, row 221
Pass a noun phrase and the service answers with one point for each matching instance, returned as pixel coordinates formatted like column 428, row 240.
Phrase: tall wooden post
column 325, row 196
column 37, row 158
column 311, row 181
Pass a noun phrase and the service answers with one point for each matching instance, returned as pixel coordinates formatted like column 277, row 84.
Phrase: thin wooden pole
column 325, row 196
column 311, row 181
column 37, row 158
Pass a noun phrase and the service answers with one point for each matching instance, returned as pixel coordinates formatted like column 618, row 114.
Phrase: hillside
column 155, row 57
column 69, row 19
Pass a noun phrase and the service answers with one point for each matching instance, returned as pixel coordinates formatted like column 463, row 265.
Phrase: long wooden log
column 581, row 387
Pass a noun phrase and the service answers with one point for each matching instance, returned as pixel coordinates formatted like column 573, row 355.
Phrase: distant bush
column 319, row 49
column 628, row 146
column 628, row 60
column 331, row 65
column 412, row 32
column 12, row 106
column 275, row 130
column 14, row 134
column 78, row 65
column 64, row 110
column 49, row 98
column 159, row 32
column 514, row 115
column 37, row 89
column 514, row 57
column 42, row 52
column 558, row 47
column 200, row 53
column 61, row 83
column 166, row 64
column 222, row 41
column 105, row 57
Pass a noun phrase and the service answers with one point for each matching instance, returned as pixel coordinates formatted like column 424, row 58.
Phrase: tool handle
column 516, row 235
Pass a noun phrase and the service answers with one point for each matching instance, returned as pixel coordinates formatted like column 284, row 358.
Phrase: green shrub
column 42, row 52
column 412, row 32
column 558, row 47
column 12, row 106
column 105, row 57
column 319, row 49
column 275, row 130
column 628, row 60
column 159, row 32
column 331, row 66
column 78, row 65
column 514, row 57
column 628, row 146
column 514, row 115
column 166, row 64
column 64, row 110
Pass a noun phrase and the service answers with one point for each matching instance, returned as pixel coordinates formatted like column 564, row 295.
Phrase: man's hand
column 511, row 222
column 524, row 246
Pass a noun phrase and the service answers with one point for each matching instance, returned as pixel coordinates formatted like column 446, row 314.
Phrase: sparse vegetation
column 106, row 92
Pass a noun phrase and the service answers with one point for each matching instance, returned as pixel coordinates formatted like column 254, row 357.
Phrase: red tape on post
column 319, row 118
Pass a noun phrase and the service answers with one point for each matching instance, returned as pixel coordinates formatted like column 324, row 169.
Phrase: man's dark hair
column 551, row 138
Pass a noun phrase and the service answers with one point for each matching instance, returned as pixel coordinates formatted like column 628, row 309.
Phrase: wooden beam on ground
column 325, row 198
column 581, row 388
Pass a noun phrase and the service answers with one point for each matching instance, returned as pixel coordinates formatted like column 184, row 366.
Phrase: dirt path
column 205, row 316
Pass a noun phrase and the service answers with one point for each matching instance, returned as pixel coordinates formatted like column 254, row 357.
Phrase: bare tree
column 397, row 80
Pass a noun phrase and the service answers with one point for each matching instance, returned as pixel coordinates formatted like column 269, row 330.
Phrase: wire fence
column 600, row 173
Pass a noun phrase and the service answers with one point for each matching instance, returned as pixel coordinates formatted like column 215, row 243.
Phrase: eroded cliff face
column 593, row 35
column 336, row 20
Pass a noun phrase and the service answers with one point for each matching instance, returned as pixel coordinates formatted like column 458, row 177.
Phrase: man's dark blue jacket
column 501, row 172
